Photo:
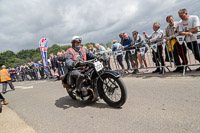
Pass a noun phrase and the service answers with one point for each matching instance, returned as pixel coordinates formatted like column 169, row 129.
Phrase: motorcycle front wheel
column 113, row 90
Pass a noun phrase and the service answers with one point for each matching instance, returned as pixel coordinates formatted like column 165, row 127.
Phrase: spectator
column 100, row 50
column 188, row 25
column 35, row 70
column 118, row 47
column 91, row 49
column 121, row 37
column 139, row 43
column 41, row 69
column 126, row 42
column 171, row 32
column 12, row 74
column 157, row 38
column 5, row 79
column 60, row 62
column 63, row 53
column 54, row 64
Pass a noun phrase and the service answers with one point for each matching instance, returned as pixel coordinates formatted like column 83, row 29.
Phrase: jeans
column 127, row 60
column 5, row 85
column 120, row 60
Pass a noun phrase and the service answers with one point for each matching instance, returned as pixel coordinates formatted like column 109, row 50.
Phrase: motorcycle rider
column 73, row 56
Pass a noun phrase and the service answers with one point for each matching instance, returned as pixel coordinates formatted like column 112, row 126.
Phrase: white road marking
column 24, row 87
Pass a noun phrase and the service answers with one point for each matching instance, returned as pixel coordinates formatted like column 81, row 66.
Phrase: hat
column 3, row 66
column 114, row 41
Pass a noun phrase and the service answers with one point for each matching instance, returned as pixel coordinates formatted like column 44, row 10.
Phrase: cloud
column 23, row 23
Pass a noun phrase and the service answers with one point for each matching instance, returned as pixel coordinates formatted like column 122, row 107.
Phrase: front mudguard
column 107, row 73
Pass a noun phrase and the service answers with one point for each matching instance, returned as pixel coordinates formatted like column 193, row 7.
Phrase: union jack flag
column 43, row 48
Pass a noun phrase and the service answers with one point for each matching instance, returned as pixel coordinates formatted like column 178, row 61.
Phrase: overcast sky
column 24, row 22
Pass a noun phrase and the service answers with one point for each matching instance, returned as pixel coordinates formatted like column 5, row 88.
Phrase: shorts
column 143, row 56
column 132, row 57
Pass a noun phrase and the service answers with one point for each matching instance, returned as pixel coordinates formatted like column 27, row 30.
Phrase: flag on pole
column 43, row 48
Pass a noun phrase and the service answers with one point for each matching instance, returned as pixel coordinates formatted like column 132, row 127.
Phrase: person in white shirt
column 189, row 25
column 157, row 38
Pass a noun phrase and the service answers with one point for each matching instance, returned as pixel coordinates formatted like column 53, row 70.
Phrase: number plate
column 98, row 66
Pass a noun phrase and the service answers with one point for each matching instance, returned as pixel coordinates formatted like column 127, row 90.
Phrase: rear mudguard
column 112, row 73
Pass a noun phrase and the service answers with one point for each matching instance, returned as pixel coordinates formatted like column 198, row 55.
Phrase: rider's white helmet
column 76, row 39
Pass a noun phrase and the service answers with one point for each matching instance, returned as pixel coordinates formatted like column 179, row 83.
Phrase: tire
column 71, row 94
column 0, row 107
column 104, row 89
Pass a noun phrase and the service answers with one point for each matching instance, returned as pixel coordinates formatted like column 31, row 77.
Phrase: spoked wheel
column 71, row 94
column 114, row 91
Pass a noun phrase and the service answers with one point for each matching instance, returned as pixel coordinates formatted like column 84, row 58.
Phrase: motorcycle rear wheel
column 0, row 107
column 71, row 94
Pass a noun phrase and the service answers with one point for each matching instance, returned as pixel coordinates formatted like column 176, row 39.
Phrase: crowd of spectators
column 137, row 45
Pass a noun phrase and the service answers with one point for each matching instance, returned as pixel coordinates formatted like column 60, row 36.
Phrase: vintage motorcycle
column 98, row 83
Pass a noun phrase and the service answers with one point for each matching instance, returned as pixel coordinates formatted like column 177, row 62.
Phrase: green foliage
column 65, row 47
column 10, row 59
column 103, row 44
column 54, row 49
column 109, row 45
column 13, row 62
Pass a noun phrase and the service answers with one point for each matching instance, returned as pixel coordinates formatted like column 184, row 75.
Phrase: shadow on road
column 66, row 102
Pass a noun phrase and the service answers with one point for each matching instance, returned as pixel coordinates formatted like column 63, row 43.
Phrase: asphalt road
column 154, row 105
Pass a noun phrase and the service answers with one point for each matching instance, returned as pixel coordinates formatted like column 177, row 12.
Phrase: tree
column 109, row 45
column 65, row 47
column 54, row 49
column 13, row 62
column 5, row 56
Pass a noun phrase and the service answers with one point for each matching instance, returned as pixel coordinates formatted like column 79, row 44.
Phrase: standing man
column 171, row 32
column 41, row 69
column 5, row 79
column 118, row 47
column 126, row 46
column 189, row 24
column 54, row 64
column 60, row 62
column 157, row 38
